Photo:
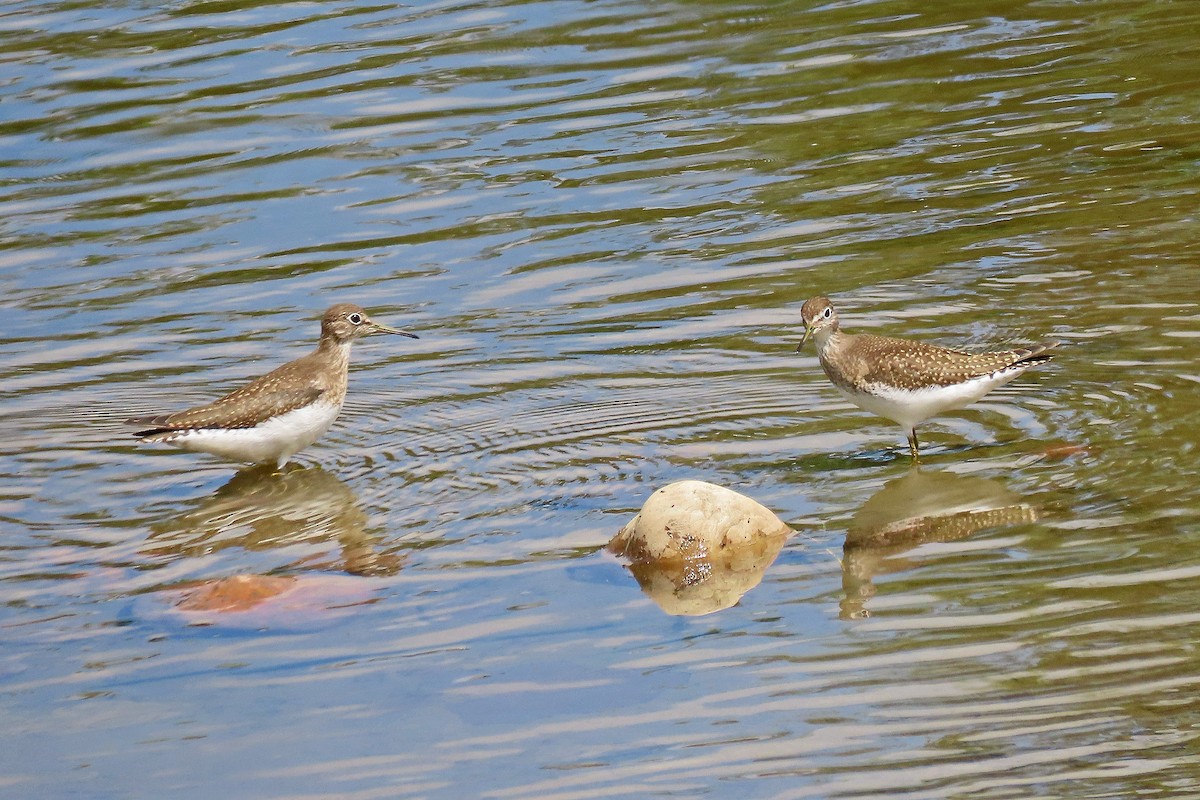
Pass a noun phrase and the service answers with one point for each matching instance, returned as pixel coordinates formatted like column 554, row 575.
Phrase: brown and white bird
column 276, row 416
column 905, row 381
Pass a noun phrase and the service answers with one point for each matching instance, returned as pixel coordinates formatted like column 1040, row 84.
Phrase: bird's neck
column 829, row 340
column 334, row 351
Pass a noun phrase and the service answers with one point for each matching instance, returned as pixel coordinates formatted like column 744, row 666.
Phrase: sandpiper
column 276, row 416
column 905, row 381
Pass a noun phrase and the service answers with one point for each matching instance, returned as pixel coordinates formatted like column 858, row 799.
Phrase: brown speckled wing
column 914, row 365
column 230, row 411
column 287, row 388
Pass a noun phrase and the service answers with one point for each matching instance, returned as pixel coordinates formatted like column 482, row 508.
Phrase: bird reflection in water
column 260, row 509
column 917, row 508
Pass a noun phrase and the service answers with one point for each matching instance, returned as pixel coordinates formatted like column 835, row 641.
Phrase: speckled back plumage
column 322, row 374
column 857, row 361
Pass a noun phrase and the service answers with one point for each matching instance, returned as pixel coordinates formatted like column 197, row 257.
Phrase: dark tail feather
column 1037, row 354
column 151, row 432
column 157, row 424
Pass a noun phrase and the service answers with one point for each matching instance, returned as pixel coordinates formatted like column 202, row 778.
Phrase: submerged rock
column 235, row 593
column 270, row 601
column 696, row 547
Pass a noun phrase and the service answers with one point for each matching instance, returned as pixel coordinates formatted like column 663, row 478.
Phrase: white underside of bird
column 275, row 440
column 909, row 408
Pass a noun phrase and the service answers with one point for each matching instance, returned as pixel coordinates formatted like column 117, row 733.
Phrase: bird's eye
column 828, row 313
column 356, row 318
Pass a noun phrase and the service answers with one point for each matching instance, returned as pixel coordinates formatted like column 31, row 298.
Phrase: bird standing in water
column 278, row 415
column 905, row 381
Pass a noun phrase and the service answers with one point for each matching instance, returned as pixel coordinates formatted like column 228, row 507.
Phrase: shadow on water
column 259, row 509
column 920, row 507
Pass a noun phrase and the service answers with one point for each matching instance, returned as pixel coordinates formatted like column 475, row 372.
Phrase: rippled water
column 602, row 219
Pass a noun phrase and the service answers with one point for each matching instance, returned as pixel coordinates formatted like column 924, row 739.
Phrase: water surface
column 602, row 219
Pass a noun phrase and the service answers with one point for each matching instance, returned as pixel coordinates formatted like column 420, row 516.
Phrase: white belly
column 277, row 439
column 910, row 408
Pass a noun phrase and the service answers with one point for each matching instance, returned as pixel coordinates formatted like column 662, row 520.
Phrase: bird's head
column 820, row 319
column 346, row 322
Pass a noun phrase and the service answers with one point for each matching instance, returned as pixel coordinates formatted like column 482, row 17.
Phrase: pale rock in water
column 696, row 547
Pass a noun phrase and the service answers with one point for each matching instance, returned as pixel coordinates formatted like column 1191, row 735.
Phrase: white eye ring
column 355, row 318
column 828, row 313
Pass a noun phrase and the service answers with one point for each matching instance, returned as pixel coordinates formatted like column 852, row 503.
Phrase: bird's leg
column 912, row 443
